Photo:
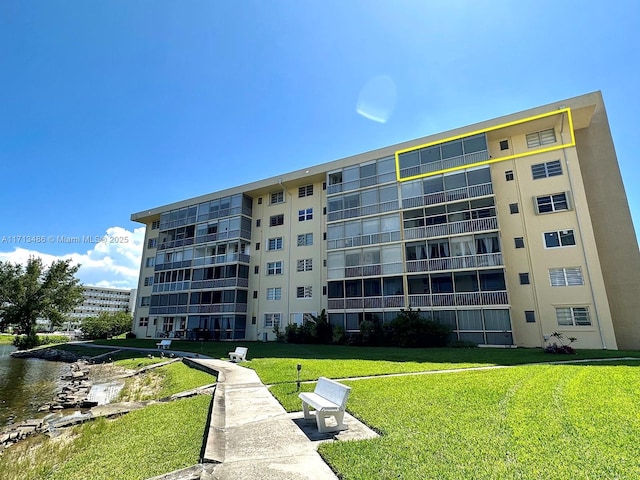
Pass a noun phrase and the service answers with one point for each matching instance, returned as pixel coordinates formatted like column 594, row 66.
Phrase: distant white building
column 100, row 299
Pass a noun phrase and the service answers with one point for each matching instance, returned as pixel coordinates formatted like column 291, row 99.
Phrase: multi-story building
column 507, row 231
column 100, row 299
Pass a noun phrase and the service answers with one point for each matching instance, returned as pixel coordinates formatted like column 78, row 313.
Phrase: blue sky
column 109, row 108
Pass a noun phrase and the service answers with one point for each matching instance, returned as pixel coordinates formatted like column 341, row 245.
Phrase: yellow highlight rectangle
column 492, row 160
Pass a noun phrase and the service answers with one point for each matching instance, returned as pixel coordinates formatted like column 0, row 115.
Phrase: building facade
column 98, row 300
column 507, row 231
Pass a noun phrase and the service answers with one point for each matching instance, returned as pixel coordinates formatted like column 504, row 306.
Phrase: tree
column 106, row 325
column 33, row 291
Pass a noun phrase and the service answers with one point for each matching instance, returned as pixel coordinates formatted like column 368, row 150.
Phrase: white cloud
column 112, row 260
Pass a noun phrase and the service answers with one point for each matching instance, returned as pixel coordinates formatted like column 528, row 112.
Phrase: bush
column 409, row 329
column 106, row 325
column 130, row 335
column 26, row 342
column 339, row 336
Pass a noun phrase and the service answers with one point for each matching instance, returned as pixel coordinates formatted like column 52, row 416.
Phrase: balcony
column 455, row 263
column 454, row 228
column 459, row 299
column 470, row 191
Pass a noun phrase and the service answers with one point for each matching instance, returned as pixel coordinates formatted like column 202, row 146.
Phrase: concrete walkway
column 251, row 435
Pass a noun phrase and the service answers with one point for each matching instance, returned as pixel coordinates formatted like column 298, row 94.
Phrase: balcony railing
column 228, row 258
column 455, row 263
column 459, row 299
column 446, row 229
column 372, row 239
column 471, row 191
column 386, row 301
column 361, row 211
column 220, row 283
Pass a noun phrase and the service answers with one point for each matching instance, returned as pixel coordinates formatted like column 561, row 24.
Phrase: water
column 26, row 384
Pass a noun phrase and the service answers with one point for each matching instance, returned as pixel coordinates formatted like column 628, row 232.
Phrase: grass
column 139, row 445
column 526, row 422
column 6, row 339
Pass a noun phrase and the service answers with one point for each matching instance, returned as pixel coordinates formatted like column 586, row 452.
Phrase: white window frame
column 573, row 316
column 148, row 281
column 305, row 265
column 305, row 214
column 546, row 169
column 305, row 191
column 276, row 220
column 150, row 262
column 272, row 320
column 542, row 137
column 276, row 198
column 274, row 268
column 304, row 291
column 274, row 293
column 143, row 322
column 561, row 236
column 554, row 201
column 275, row 243
column 305, row 239
column 566, row 276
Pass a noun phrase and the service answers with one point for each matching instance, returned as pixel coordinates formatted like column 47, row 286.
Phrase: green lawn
column 6, row 339
column 139, row 445
column 526, row 422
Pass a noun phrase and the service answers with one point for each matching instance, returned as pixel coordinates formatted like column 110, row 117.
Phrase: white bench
column 329, row 399
column 239, row 354
column 164, row 344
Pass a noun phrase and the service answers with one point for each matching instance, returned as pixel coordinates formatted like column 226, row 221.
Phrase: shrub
column 130, row 335
column 25, row 342
column 339, row 337
column 409, row 329
column 563, row 346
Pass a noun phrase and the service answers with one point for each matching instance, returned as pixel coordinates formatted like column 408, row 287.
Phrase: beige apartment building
column 507, row 231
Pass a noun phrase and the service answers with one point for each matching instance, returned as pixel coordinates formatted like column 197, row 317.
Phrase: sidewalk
column 250, row 434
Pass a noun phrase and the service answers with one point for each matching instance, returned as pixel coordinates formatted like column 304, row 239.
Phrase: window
column 255, row 294
column 152, row 243
column 305, row 239
column 504, row 145
column 143, row 322
column 508, row 175
column 155, row 225
column 565, row 277
column 548, row 169
column 561, row 238
column 256, row 270
column 258, row 222
column 259, row 200
column 544, row 137
column 305, row 214
column 271, row 320
column 552, row 203
column 274, row 293
column 524, row 279
column 148, row 281
column 274, row 268
column 145, row 301
column 519, row 241
column 275, row 243
column 574, row 316
column 530, row 316
column 276, row 220
column 303, row 292
column 257, row 245
column 305, row 191
column 305, row 265
column 277, row 197
column 150, row 262
column 513, row 208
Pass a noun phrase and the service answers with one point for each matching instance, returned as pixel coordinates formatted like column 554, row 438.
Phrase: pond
column 26, row 384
